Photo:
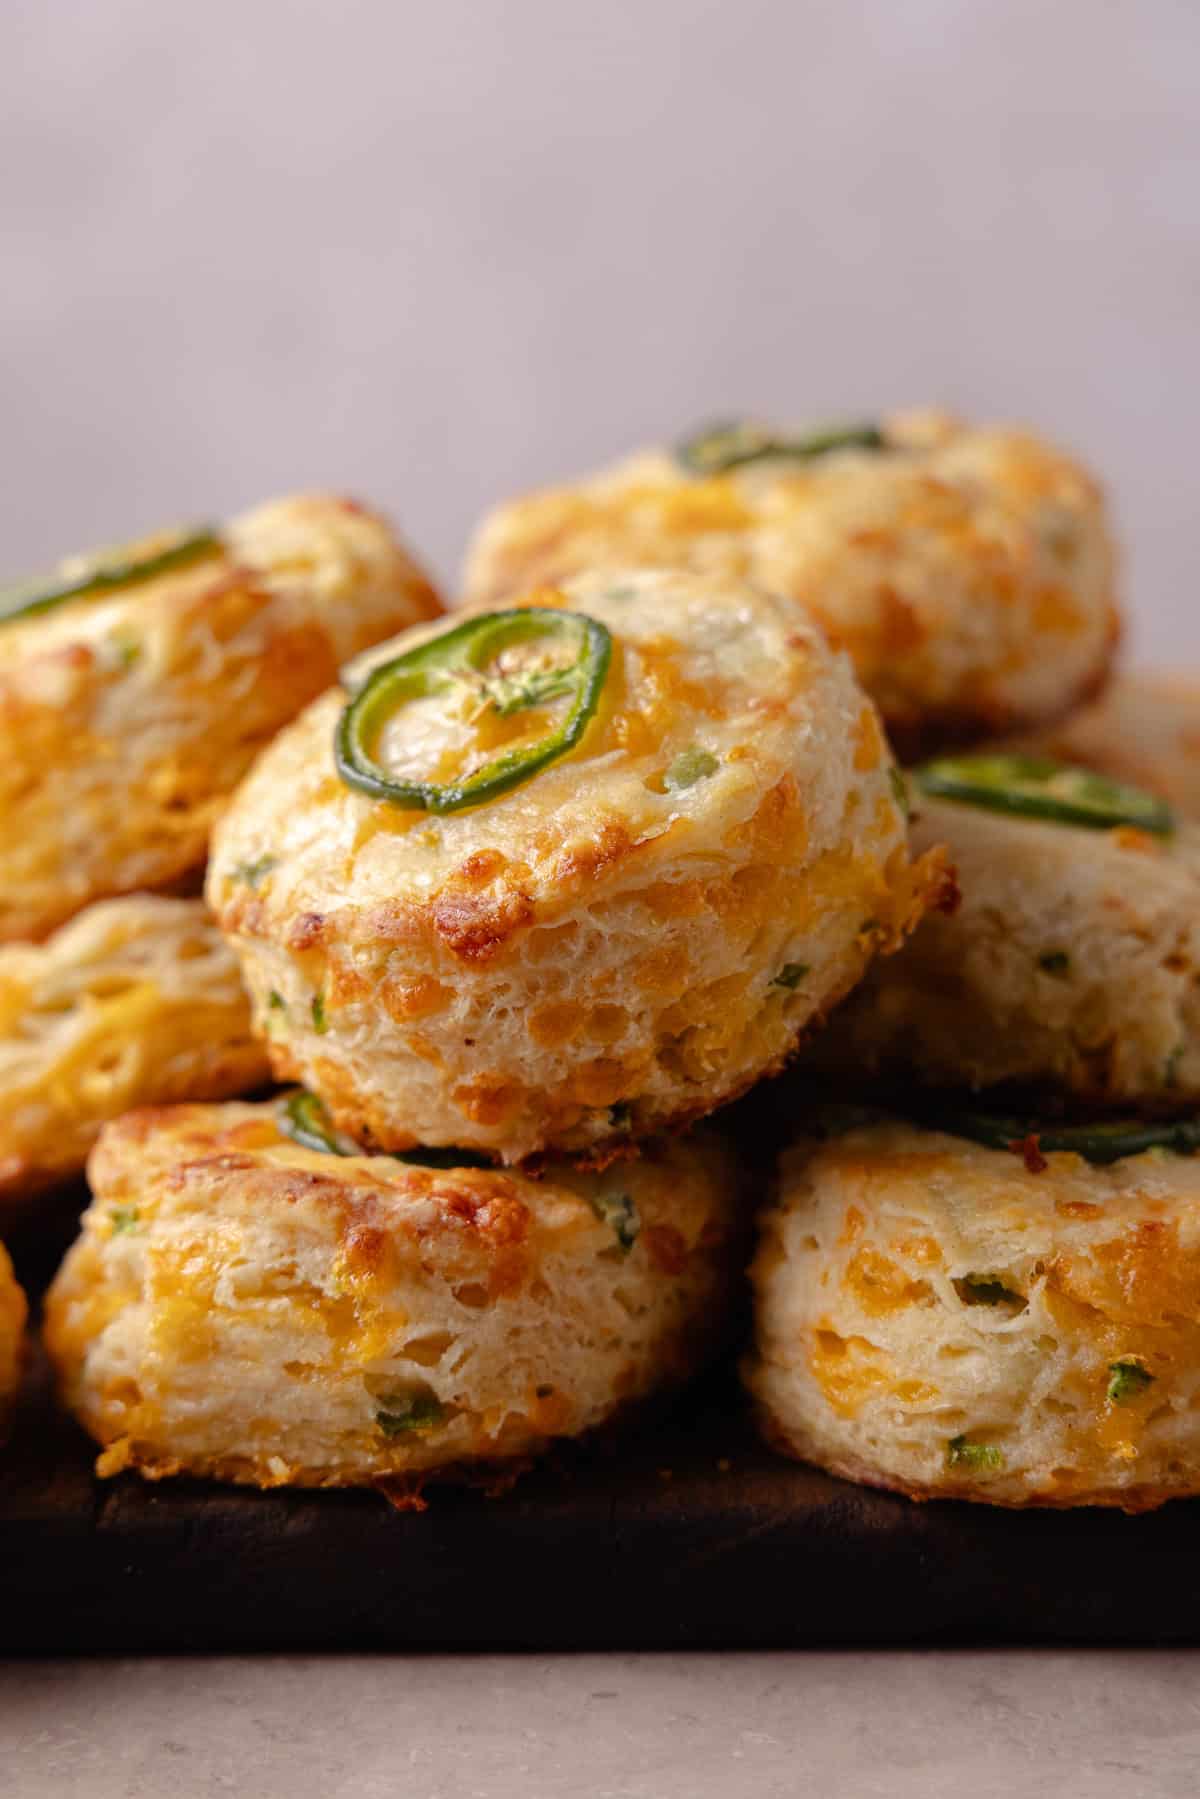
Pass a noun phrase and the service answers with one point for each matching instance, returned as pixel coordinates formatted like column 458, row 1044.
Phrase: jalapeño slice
column 108, row 570
column 1104, row 1142
column 1037, row 787
column 304, row 1119
column 720, row 448
column 501, row 662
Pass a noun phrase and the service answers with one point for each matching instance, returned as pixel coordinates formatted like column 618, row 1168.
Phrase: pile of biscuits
column 767, row 755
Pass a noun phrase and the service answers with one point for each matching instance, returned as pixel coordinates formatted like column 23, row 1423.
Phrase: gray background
column 436, row 251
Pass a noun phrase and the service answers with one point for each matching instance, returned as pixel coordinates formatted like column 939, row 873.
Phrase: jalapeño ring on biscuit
column 1072, row 964
column 618, row 849
column 138, row 684
column 502, row 658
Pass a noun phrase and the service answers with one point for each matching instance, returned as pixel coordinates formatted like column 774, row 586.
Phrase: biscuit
column 128, row 715
column 1072, row 964
column 242, row 1306
column 621, row 942
column 957, row 1321
column 136, row 1002
column 969, row 572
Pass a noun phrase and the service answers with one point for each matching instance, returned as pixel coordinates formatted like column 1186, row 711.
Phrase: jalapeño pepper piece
column 1103, row 1142
column 720, row 448
column 1127, row 1381
column 107, row 571
column 404, row 1412
column 489, row 659
column 304, row 1119
column 1036, row 787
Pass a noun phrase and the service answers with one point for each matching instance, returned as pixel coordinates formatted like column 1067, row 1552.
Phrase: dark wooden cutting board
column 688, row 1533
column 734, row 1548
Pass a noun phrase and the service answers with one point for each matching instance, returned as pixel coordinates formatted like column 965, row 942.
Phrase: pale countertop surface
column 994, row 1725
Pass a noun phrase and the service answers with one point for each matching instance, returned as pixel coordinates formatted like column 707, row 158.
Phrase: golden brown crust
column 1072, row 967
column 1132, row 1500
column 242, row 1307
column 951, row 1321
column 136, row 1000
column 127, row 720
column 968, row 573
column 504, row 976
column 915, row 738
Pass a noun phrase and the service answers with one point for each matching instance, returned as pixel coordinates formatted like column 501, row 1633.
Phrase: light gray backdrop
column 435, row 251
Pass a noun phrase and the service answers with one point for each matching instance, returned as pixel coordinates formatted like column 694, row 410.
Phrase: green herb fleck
column 402, row 1412
column 689, row 767
column 1127, row 1381
column 124, row 1218
column 899, row 788
column 790, row 975
column 252, row 874
column 320, row 1022
column 1055, row 961
column 127, row 651
column 979, row 1457
column 619, row 1211
column 985, row 1290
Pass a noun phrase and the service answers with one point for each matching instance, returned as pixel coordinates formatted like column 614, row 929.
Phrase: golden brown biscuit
column 137, row 1001
column 620, row 942
column 128, row 715
column 241, row 1306
column 969, row 572
column 1071, row 964
column 956, row 1321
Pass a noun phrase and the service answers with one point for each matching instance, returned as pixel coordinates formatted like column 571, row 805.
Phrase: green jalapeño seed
column 1101, row 1143
column 1036, row 787
column 106, row 572
column 505, row 662
column 720, row 448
